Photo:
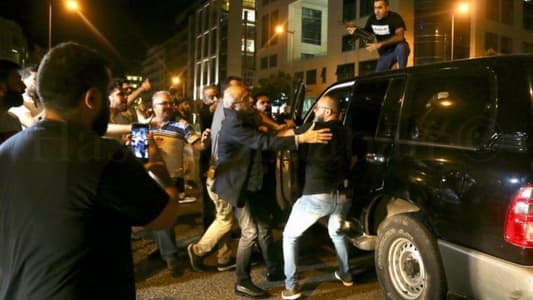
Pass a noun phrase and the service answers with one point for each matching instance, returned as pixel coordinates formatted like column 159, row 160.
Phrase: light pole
column 177, row 80
column 71, row 5
column 279, row 30
column 49, row 25
column 461, row 8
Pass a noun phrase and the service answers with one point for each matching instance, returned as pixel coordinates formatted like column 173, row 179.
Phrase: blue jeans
column 165, row 240
column 253, row 228
column 398, row 55
column 306, row 212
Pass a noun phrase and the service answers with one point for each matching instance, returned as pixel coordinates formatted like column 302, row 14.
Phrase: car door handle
column 375, row 158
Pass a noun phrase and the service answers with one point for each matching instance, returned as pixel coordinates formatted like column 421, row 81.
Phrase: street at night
column 154, row 281
column 386, row 141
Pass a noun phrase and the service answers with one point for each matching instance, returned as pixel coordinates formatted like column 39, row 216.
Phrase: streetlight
column 279, row 29
column 177, row 80
column 462, row 8
column 71, row 5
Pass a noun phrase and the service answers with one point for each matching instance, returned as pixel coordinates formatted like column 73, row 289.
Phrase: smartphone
column 139, row 141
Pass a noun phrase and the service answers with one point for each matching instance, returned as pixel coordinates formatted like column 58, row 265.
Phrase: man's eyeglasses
column 323, row 107
column 211, row 97
column 264, row 102
column 166, row 103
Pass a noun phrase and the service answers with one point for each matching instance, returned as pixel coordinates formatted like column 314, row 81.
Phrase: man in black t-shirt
column 388, row 28
column 68, row 197
column 326, row 168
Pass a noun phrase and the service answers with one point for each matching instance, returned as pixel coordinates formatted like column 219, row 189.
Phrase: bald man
column 238, row 173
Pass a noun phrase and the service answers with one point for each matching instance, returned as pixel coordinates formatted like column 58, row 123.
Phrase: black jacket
column 237, row 140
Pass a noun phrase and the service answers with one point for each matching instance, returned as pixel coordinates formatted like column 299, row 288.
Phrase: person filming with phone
column 388, row 28
column 68, row 197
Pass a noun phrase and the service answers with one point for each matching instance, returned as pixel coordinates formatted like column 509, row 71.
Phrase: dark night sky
column 131, row 26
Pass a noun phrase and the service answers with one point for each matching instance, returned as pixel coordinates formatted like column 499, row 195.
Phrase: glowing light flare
column 98, row 33
column 446, row 103
column 72, row 5
column 463, row 8
column 176, row 80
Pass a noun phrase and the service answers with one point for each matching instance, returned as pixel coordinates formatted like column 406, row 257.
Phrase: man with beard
column 11, row 90
column 117, row 105
column 68, row 197
column 238, row 172
column 326, row 168
column 28, row 112
column 205, row 109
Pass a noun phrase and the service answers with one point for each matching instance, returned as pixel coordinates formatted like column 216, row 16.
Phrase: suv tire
column 408, row 263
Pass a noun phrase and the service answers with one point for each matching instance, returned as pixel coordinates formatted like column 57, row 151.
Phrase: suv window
column 341, row 92
column 451, row 107
column 366, row 106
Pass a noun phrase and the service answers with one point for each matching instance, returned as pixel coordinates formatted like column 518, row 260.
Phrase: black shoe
column 196, row 260
column 174, row 267
column 227, row 266
column 249, row 289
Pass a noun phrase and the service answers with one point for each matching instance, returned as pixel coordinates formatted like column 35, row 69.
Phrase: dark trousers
column 255, row 226
column 208, row 208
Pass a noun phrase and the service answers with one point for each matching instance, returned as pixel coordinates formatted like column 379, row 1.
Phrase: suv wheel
column 408, row 263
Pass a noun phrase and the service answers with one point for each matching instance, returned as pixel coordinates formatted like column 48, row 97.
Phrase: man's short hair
column 384, row 1
column 209, row 87
column 6, row 67
column 159, row 93
column 116, row 83
column 28, row 70
column 66, row 72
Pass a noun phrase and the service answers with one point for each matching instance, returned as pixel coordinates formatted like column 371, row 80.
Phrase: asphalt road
column 317, row 264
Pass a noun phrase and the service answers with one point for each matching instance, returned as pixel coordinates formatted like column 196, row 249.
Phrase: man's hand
column 373, row 46
column 312, row 136
column 156, row 165
column 145, row 85
column 205, row 135
column 351, row 28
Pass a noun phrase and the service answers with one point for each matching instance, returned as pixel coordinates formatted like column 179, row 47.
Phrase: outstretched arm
column 145, row 87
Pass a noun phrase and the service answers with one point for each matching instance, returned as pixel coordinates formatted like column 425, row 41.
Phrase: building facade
column 223, row 42
column 313, row 44
column 168, row 61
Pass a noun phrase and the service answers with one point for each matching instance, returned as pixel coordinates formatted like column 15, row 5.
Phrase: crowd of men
column 70, row 191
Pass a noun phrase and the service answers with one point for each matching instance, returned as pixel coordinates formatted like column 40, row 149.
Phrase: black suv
column 442, row 183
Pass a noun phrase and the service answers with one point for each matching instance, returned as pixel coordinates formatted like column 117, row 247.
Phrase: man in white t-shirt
column 11, row 90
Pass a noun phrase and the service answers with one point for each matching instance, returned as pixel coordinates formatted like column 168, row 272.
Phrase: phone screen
column 139, row 141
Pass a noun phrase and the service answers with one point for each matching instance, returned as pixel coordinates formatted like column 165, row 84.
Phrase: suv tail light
column 519, row 220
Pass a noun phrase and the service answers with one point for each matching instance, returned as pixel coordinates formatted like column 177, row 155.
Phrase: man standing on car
column 326, row 168
column 389, row 28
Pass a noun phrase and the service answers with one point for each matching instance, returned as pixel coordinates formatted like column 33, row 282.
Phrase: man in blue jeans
column 326, row 167
column 239, row 175
column 388, row 28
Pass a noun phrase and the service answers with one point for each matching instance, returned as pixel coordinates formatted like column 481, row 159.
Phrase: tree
column 276, row 87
